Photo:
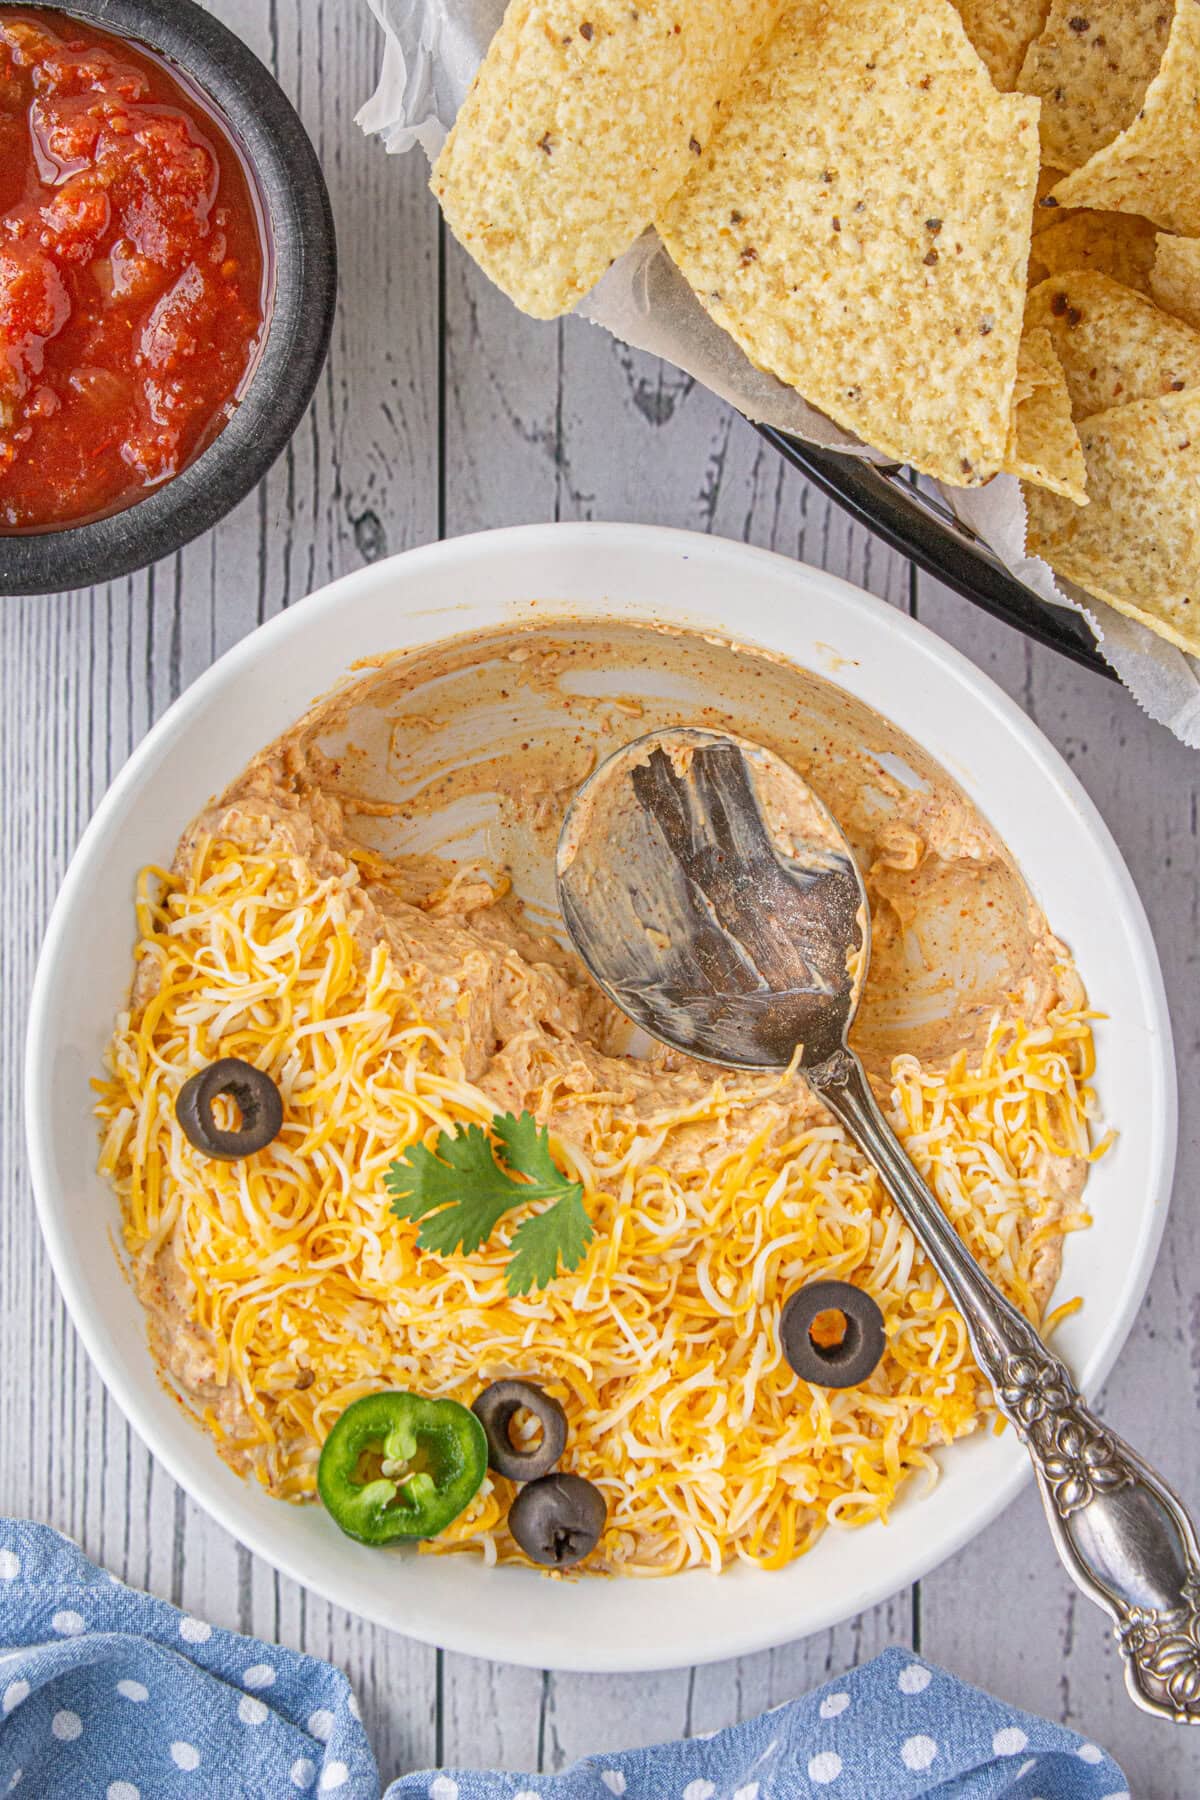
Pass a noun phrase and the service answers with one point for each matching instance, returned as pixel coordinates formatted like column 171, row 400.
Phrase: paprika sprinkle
column 133, row 272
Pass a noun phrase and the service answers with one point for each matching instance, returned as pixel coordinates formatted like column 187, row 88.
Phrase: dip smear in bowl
column 365, row 916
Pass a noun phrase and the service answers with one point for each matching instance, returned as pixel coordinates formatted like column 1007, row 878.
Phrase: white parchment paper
column 432, row 49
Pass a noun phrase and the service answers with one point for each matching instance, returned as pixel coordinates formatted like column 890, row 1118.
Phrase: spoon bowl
column 738, row 929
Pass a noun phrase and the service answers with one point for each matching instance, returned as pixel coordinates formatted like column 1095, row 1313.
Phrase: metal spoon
column 730, row 937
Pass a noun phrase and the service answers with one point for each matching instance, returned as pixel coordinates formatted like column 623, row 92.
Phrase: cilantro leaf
column 562, row 1231
column 459, row 1193
column 527, row 1150
column 460, row 1190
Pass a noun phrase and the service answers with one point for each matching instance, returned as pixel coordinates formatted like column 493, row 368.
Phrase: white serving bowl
column 621, row 572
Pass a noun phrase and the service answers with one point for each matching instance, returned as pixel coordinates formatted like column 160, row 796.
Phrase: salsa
column 133, row 272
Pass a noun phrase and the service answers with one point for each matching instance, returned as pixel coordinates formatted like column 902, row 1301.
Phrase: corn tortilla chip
column 1046, row 210
column 1151, row 167
column 1090, row 68
column 1116, row 244
column 1043, row 444
column 1137, row 542
column 860, row 225
column 582, row 120
column 1175, row 279
column 1115, row 346
column 1002, row 31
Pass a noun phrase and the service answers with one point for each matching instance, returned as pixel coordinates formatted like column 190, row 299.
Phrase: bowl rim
column 462, row 1635
column 302, row 243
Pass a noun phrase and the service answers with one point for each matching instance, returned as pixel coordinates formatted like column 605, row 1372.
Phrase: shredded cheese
column 284, row 1287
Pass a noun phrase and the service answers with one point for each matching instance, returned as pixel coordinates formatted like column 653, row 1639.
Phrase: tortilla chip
column 1175, row 278
column 1090, row 68
column 1043, row 444
column 582, row 120
column 1002, row 31
column 860, row 225
column 1115, row 346
column 1046, row 210
column 1116, row 244
column 1137, row 542
column 1151, row 167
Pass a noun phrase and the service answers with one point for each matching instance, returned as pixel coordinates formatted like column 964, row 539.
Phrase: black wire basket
column 922, row 527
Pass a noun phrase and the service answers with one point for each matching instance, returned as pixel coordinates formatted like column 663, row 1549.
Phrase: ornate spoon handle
column 1123, row 1535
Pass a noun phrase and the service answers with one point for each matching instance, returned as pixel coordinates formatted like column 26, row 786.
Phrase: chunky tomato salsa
column 132, row 272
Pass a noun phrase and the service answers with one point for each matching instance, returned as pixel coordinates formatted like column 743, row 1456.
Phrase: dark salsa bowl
column 168, row 275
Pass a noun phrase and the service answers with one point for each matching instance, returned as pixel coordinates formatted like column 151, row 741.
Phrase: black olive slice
column 558, row 1520
column 496, row 1409
column 254, row 1094
column 838, row 1365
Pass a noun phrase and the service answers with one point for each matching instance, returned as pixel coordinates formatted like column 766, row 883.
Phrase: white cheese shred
column 285, row 1288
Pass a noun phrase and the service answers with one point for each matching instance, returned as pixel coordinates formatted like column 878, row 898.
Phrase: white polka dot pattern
column 918, row 1752
column 14, row 1693
column 825, row 1767
column 897, row 1713
column 914, row 1679
column 1010, row 1741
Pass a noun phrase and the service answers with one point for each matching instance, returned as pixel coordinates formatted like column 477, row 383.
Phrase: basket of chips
column 945, row 252
column 915, row 520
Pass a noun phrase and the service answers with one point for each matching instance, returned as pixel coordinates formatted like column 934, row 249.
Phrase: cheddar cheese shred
column 281, row 1288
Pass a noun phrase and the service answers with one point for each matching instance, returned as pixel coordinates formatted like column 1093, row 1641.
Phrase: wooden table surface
column 443, row 411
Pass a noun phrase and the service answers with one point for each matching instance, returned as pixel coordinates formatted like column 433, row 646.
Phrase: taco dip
column 423, row 1231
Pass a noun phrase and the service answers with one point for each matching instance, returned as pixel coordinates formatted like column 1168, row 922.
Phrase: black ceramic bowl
column 303, row 251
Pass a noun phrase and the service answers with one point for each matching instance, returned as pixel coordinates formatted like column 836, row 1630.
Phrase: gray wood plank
column 1007, row 1589
column 563, row 422
column 500, row 465
column 670, row 453
column 499, row 421
column 84, row 677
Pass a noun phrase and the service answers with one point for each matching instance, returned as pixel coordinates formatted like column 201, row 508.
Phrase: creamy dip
column 433, row 787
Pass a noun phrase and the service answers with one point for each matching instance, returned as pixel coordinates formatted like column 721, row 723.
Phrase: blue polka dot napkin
column 109, row 1694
